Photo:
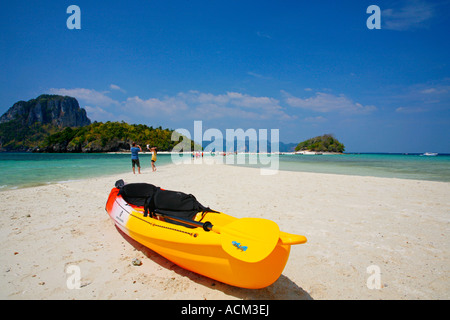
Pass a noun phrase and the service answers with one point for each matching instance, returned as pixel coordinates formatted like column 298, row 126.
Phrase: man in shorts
column 135, row 156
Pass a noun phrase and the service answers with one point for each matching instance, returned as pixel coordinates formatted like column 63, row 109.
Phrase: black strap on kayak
column 207, row 226
column 149, row 207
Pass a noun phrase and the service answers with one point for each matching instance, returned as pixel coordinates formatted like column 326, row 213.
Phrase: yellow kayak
column 247, row 252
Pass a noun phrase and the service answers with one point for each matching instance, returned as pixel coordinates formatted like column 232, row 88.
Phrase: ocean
column 20, row 170
column 402, row 166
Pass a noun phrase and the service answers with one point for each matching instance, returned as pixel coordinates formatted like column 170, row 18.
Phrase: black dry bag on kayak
column 177, row 204
column 137, row 193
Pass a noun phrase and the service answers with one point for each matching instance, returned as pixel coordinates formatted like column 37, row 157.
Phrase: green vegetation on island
column 325, row 143
column 96, row 137
column 108, row 137
column 53, row 123
column 17, row 137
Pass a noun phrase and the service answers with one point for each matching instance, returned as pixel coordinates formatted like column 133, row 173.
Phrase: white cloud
column 154, row 107
column 196, row 97
column 244, row 100
column 265, row 107
column 234, row 104
column 436, row 90
column 189, row 105
column 411, row 110
column 259, row 76
column 434, row 96
column 325, row 102
column 318, row 119
column 88, row 96
column 412, row 14
column 98, row 114
column 116, row 87
column 213, row 111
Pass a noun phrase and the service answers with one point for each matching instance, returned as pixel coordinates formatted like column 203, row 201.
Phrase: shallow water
column 19, row 170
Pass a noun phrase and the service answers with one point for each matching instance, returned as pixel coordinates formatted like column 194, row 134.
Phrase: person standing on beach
column 153, row 150
column 135, row 156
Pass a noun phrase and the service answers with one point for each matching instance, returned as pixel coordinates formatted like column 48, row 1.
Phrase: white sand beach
column 352, row 223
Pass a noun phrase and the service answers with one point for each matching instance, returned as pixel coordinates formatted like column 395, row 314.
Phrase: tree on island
column 325, row 143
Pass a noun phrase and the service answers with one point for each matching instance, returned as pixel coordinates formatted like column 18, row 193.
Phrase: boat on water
column 246, row 252
column 430, row 154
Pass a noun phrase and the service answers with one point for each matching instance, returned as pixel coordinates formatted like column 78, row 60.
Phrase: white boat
column 430, row 154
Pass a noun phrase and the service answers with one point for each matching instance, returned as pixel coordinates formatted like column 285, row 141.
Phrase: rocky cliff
column 27, row 123
column 47, row 109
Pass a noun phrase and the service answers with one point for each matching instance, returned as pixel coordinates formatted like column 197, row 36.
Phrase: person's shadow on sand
column 282, row 289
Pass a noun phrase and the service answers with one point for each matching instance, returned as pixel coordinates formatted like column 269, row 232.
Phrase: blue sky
column 303, row 67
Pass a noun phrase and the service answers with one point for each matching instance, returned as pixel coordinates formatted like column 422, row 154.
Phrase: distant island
column 54, row 123
column 324, row 143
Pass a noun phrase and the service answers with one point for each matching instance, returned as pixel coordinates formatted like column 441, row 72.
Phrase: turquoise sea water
column 19, row 170
column 412, row 166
